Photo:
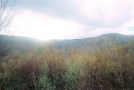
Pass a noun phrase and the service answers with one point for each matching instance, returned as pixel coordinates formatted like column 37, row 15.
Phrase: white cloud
column 107, row 13
column 58, row 19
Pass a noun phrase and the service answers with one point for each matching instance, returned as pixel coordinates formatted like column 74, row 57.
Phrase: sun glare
column 45, row 27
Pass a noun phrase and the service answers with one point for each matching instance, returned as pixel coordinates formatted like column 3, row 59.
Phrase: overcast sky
column 71, row 19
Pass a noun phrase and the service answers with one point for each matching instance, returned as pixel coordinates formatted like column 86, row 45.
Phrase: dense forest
column 105, row 62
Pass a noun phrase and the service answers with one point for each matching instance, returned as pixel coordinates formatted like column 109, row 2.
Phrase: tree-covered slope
column 100, row 42
column 45, row 67
column 91, row 44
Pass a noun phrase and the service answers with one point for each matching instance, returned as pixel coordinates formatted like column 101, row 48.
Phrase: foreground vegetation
column 48, row 68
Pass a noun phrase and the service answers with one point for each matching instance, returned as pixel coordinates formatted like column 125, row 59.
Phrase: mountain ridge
column 101, row 42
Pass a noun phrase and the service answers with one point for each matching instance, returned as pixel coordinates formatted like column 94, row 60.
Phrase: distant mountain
column 25, row 44
column 17, row 43
column 94, row 43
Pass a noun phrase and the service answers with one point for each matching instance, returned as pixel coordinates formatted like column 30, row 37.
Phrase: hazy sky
column 69, row 19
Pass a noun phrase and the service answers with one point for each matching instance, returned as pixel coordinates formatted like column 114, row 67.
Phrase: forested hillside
column 94, row 43
column 106, row 41
column 97, row 63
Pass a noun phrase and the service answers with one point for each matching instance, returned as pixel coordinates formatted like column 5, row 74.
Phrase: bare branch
column 6, row 14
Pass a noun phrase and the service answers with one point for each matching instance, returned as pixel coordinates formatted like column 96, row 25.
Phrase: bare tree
column 6, row 15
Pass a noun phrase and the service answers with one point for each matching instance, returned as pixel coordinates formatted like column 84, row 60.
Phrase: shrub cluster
column 52, row 69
